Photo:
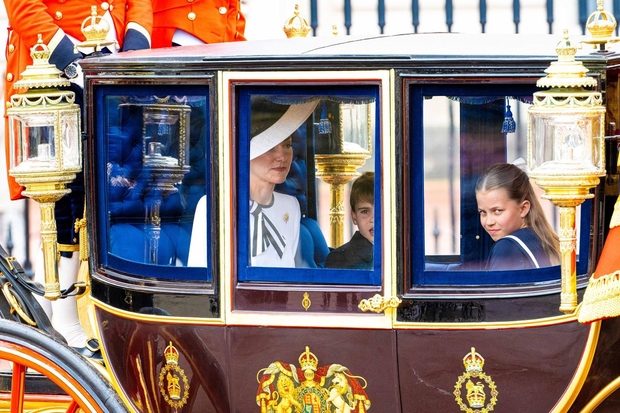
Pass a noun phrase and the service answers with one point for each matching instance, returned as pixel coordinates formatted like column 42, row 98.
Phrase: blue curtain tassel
column 508, row 125
column 324, row 125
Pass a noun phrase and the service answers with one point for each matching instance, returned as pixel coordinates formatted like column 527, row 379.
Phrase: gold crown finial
column 40, row 74
column 95, row 29
column 40, row 53
column 171, row 354
column 601, row 24
column 565, row 49
column 566, row 71
column 308, row 361
column 296, row 26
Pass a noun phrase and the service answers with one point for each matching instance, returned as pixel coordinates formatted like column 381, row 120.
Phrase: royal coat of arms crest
column 285, row 388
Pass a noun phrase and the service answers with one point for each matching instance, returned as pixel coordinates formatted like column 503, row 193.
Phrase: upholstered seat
column 313, row 246
column 312, row 243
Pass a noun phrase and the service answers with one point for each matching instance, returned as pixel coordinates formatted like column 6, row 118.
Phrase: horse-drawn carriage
column 187, row 322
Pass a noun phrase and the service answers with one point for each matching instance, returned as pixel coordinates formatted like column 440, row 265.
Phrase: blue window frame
column 152, row 166
column 455, row 133
column 308, row 141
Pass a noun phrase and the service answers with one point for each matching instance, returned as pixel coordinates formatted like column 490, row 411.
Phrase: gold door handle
column 379, row 303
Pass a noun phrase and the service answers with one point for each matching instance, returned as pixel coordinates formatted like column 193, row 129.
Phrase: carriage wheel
column 29, row 348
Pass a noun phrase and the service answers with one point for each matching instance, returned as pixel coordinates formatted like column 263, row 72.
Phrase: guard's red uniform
column 54, row 19
column 211, row 21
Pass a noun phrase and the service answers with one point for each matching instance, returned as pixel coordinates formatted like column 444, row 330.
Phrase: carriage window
column 307, row 185
column 152, row 173
column 464, row 131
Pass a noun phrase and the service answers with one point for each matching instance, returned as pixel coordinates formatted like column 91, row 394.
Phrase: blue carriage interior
column 128, row 193
column 312, row 244
column 480, row 142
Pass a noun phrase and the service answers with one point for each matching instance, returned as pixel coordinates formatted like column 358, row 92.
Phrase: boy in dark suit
column 358, row 252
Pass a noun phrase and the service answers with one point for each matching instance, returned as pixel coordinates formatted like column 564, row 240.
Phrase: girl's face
column 273, row 166
column 500, row 215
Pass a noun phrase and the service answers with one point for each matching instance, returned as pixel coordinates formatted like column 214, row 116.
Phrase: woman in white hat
column 274, row 217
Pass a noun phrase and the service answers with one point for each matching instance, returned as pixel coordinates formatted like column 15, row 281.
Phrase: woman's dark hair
column 264, row 114
column 517, row 185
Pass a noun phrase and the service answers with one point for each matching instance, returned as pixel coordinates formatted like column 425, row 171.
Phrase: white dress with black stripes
column 274, row 232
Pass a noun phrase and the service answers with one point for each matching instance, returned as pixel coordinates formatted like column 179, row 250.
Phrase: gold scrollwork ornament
column 379, row 303
column 476, row 383
column 172, row 380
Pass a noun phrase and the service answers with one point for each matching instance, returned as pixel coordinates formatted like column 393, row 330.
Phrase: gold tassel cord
column 602, row 296
column 80, row 228
column 601, row 299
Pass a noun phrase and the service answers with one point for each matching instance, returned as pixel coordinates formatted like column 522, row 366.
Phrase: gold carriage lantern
column 342, row 149
column 45, row 140
column 566, row 149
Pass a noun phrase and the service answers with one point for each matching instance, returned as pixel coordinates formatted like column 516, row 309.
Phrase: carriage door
column 296, row 144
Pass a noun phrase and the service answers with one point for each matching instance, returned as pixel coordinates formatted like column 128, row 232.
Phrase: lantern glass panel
column 16, row 155
column 164, row 134
column 566, row 143
column 345, row 127
column 357, row 126
column 70, row 140
column 36, row 141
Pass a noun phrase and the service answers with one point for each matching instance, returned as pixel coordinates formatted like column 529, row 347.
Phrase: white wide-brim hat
column 284, row 127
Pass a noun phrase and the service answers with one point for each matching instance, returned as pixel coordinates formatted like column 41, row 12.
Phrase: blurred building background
column 19, row 220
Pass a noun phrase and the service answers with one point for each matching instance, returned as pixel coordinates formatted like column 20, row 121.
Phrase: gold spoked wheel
column 82, row 387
